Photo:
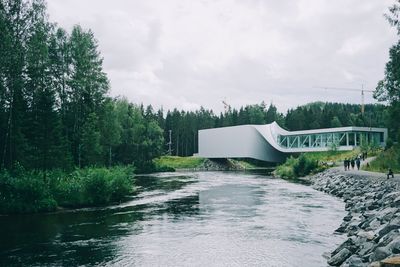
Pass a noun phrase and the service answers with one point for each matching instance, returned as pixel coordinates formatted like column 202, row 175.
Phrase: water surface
column 184, row 219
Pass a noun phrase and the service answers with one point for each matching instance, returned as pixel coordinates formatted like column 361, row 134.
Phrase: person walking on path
column 345, row 164
column 352, row 163
column 358, row 163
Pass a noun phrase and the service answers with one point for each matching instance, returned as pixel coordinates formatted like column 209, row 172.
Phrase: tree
column 110, row 129
column 88, row 83
column 335, row 122
column 90, row 150
column 388, row 89
column 15, row 18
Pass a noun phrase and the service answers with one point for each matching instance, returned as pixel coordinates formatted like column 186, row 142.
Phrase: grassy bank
column 23, row 191
column 389, row 158
column 171, row 163
column 308, row 163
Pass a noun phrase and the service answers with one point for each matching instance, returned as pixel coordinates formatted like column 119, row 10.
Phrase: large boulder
column 395, row 245
column 380, row 254
column 386, row 229
column 354, row 261
column 340, row 257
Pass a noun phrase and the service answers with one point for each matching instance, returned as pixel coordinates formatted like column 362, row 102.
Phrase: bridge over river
column 272, row 143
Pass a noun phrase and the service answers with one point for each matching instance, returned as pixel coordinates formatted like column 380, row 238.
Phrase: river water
column 184, row 219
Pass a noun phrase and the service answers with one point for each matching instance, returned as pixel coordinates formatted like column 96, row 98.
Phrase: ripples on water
column 184, row 219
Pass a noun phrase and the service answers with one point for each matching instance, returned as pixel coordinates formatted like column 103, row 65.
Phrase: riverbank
column 175, row 163
column 372, row 223
column 26, row 191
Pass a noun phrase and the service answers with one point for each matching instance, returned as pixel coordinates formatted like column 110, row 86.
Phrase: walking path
column 377, row 175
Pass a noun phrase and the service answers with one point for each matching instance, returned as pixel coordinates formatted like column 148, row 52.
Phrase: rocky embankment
column 217, row 165
column 372, row 223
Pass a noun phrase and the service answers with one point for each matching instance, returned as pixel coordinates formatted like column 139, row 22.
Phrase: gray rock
column 366, row 248
column 367, row 235
column 395, row 245
column 353, row 261
column 388, row 238
column 396, row 202
column 340, row 257
column 374, row 224
column 387, row 228
column 380, row 254
column 349, row 244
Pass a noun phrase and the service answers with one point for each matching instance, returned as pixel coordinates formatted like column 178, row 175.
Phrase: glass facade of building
column 353, row 138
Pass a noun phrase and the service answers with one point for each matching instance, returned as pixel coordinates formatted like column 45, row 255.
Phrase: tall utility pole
column 170, row 143
column 362, row 90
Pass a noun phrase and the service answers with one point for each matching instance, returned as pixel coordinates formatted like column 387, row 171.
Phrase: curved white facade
column 273, row 144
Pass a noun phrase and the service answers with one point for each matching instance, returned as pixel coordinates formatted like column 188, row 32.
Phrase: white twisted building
column 273, row 144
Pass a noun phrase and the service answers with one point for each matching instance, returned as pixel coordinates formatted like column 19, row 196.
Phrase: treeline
column 185, row 124
column 54, row 108
column 55, row 112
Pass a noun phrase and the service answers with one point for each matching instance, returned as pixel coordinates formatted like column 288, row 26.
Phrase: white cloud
column 187, row 54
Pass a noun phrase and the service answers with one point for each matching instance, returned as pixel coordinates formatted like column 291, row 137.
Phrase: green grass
column 175, row 162
column 24, row 191
column 333, row 156
column 389, row 158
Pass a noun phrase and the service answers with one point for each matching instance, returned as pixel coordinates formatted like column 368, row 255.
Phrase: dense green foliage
column 313, row 162
column 55, row 114
column 24, row 191
column 388, row 88
column 298, row 167
column 54, row 108
column 93, row 186
column 389, row 158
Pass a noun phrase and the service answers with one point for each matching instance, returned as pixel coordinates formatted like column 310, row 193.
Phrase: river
column 184, row 219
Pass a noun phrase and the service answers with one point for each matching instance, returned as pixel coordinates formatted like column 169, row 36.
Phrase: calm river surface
column 184, row 219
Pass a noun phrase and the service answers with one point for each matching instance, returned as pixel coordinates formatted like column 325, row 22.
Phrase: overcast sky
column 187, row 54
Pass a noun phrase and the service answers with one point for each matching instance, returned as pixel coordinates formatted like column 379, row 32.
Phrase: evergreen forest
column 56, row 112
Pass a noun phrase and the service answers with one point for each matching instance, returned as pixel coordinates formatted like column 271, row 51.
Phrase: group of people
column 354, row 161
column 357, row 162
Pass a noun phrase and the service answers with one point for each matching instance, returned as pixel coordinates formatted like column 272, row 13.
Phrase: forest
column 56, row 111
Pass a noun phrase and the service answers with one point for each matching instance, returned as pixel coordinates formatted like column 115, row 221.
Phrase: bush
column 389, row 158
column 25, row 192
column 95, row 186
column 298, row 167
column 121, row 184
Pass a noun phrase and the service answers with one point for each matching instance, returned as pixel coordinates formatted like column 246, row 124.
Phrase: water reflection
column 187, row 219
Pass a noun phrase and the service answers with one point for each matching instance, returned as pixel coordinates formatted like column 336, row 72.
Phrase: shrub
column 25, row 192
column 297, row 167
column 94, row 186
column 121, row 184
column 385, row 160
